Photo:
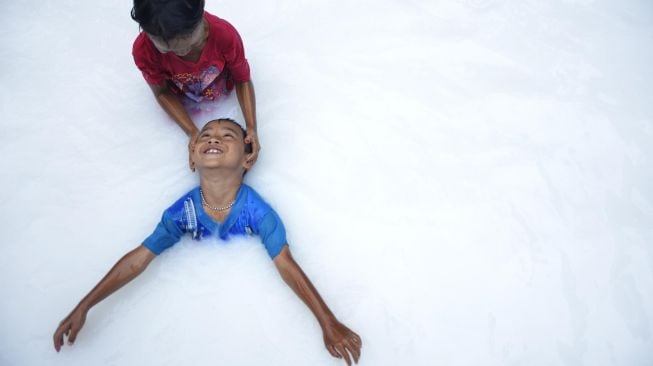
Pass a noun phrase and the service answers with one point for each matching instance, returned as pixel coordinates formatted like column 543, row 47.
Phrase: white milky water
column 465, row 182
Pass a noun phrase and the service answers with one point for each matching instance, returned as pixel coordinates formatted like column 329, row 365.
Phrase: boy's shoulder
column 251, row 193
column 253, row 200
column 184, row 200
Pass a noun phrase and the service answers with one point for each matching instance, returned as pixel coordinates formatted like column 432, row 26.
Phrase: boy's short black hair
column 168, row 18
column 248, row 147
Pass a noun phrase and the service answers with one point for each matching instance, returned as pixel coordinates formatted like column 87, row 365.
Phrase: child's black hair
column 168, row 18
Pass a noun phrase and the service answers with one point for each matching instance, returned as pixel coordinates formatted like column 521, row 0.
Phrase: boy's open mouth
column 213, row 150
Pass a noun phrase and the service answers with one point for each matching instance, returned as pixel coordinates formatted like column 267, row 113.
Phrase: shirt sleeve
column 165, row 235
column 272, row 233
column 234, row 56
column 147, row 60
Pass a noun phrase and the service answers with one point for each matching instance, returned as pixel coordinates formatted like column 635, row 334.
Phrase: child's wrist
column 83, row 306
column 327, row 321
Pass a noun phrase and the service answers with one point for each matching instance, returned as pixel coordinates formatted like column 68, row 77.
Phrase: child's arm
column 125, row 270
column 171, row 104
column 247, row 101
column 339, row 340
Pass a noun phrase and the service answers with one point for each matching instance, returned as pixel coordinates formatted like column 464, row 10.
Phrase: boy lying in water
column 222, row 205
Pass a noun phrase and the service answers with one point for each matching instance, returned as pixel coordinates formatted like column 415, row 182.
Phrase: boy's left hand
column 341, row 341
column 252, row 138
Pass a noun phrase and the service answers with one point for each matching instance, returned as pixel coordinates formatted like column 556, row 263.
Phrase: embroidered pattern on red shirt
column 205, row 84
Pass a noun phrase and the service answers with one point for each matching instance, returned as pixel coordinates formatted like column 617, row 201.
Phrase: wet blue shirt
column 249, row 215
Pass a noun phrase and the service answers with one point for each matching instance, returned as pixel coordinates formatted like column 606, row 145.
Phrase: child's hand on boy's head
column 193, row 137
column 252, row 138
column 341, row 342
column 191, row 146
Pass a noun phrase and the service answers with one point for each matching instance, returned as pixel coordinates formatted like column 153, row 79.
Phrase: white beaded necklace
column 215, row 208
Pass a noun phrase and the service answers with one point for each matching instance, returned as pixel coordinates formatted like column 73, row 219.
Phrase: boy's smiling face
column 220, row 144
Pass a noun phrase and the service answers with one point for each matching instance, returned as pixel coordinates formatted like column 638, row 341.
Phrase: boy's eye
column 229, row 135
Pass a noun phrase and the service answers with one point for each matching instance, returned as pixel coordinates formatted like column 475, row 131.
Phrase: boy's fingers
column 73, row 334
column 56, row 339
column 332, row 351
column 58, row 336
column 352, row 348
column 335, row 352
column 358, row 339
column 355, row 351
column 343, row 351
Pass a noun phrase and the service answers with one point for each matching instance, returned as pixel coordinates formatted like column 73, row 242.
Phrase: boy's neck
column 219, row 189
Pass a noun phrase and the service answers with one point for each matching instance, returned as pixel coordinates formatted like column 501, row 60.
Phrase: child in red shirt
column 186, row 53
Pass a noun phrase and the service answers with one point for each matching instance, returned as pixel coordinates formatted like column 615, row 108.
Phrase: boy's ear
column 248, row 163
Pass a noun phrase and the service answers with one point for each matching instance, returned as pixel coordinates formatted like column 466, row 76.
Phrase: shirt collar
column 215, row 227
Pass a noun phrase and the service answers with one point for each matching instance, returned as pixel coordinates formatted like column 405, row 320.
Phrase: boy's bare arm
column 126, row 269
column 339, row 340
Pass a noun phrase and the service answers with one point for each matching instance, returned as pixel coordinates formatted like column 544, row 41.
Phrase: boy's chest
column 223, row 223
column 217, row 216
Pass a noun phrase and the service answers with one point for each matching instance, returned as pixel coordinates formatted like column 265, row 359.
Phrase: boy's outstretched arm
column 339, row 340
column 126, row 269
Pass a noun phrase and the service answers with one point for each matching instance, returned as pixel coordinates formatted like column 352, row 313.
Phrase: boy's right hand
column 70, row 326
column 341, row 341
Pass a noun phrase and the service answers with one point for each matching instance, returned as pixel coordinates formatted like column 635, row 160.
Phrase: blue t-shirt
column 250, row 214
